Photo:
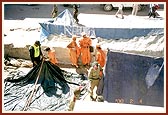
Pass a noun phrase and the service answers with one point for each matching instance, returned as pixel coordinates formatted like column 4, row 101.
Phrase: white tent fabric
column 64, row 18
column 64, row 24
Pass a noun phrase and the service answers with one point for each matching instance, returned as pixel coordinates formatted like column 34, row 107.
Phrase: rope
column 73, row 83
column 30, row 97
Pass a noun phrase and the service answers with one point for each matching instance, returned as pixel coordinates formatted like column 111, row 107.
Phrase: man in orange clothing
column 100, row 56
column 74, row 51
column 85, row 44
column 51, row 56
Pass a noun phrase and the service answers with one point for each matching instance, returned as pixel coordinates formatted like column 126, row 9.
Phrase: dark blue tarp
column 134, row 79
column 126, row 33
column 49, row 28
column 52, row 89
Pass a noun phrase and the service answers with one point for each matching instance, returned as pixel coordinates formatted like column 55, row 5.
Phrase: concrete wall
column 15, row 52
column 62, row 54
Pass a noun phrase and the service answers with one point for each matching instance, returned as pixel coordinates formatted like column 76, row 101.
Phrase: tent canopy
column 64, row 24
column 64, row 18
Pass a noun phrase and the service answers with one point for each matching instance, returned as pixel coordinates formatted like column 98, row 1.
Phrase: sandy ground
column 21, row 21
column 129, row 21
column 21, row 27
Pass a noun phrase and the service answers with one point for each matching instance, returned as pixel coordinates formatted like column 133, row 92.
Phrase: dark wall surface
column 134, row 79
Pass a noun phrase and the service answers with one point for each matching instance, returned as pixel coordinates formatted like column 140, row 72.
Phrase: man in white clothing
column 120, row 10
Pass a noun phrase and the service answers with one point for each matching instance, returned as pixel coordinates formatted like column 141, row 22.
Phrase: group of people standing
column 83, row 50
column 95, row 71
column 75, row 52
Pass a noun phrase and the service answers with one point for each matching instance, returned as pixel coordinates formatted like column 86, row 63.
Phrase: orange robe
column 52, row 56
column 101, row 57
column 74, row 52
column 85, row 43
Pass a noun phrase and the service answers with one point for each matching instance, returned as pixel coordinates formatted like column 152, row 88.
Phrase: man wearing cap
column 100, row 56
column 94, row 77
column 85, row 44
column 74, row 51
column 51, row 55
column 35, row 53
